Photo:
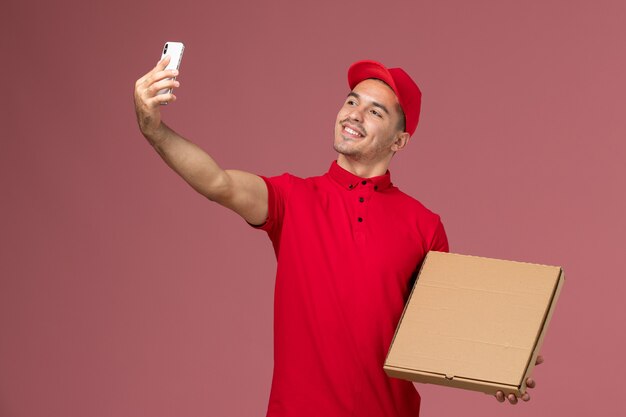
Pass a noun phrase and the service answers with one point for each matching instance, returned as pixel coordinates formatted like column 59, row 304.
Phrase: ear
column 400, row 141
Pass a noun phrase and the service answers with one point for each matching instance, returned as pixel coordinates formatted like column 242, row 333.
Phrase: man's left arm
column 439, row 241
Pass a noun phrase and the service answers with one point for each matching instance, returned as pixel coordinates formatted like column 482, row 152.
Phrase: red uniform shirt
column 347, row 250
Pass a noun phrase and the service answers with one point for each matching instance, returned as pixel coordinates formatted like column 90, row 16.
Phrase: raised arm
column 242, row 192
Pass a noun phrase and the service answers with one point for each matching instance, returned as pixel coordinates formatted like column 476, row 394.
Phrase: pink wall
column 124, row 293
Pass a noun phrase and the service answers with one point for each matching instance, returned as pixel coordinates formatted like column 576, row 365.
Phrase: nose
column 355, row 114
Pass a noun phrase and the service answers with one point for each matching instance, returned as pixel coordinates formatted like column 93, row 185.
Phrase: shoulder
column 413, row 205
column 288, row 183
column 282, row 181
column 293, row 181
column 425, row 220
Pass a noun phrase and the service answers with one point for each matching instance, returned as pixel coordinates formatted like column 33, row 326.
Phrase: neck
column 360, row 169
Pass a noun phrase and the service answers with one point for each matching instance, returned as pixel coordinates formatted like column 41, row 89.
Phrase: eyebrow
column 374, row 103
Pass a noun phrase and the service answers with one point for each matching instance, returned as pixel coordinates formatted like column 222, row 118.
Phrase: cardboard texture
column 474, row 323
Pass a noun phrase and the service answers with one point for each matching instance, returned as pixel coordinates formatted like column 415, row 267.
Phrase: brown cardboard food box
column 474, row 323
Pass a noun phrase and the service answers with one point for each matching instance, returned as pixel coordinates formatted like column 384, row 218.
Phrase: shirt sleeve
column 439, row 241
column 277, row 194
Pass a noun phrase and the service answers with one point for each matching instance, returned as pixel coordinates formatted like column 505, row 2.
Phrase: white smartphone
column 175, row 51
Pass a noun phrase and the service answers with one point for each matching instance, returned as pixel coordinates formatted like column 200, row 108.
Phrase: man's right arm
column 243, row 192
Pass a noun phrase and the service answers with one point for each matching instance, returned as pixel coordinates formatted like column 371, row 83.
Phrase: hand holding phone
column 175, row 51
column 160, row 78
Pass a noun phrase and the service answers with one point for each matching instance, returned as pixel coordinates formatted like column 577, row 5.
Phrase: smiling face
column 368, row 128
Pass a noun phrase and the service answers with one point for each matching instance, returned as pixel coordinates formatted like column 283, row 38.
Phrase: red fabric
column 341, row 286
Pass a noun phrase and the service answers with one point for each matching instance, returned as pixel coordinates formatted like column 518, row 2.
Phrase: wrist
column 156, row 135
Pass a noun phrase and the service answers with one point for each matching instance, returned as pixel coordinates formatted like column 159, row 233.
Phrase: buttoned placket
column 362, row 195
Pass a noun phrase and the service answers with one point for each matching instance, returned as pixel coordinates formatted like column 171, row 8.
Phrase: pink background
column 124, row 293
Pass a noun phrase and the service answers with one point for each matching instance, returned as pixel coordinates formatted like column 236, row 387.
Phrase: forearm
column 244, row 193
column 189, row 161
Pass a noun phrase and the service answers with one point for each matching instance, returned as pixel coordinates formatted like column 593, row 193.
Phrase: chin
column 345, row 150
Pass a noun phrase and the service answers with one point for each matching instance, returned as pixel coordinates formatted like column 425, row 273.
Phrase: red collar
column 350, row 181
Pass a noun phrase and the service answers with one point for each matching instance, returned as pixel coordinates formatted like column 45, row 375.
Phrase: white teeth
column 352, row 132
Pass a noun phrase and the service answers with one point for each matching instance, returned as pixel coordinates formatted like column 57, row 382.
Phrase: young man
column 348, row 245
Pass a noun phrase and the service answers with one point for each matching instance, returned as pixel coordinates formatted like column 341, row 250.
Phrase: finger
column 160, row 66
column 512, row 398
column 539, row 360
column 161, row 99
column 159, row 75
column 526, row 397
column 153, row 89
column 530, row 383
column 500, row 396
column 152, row 78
